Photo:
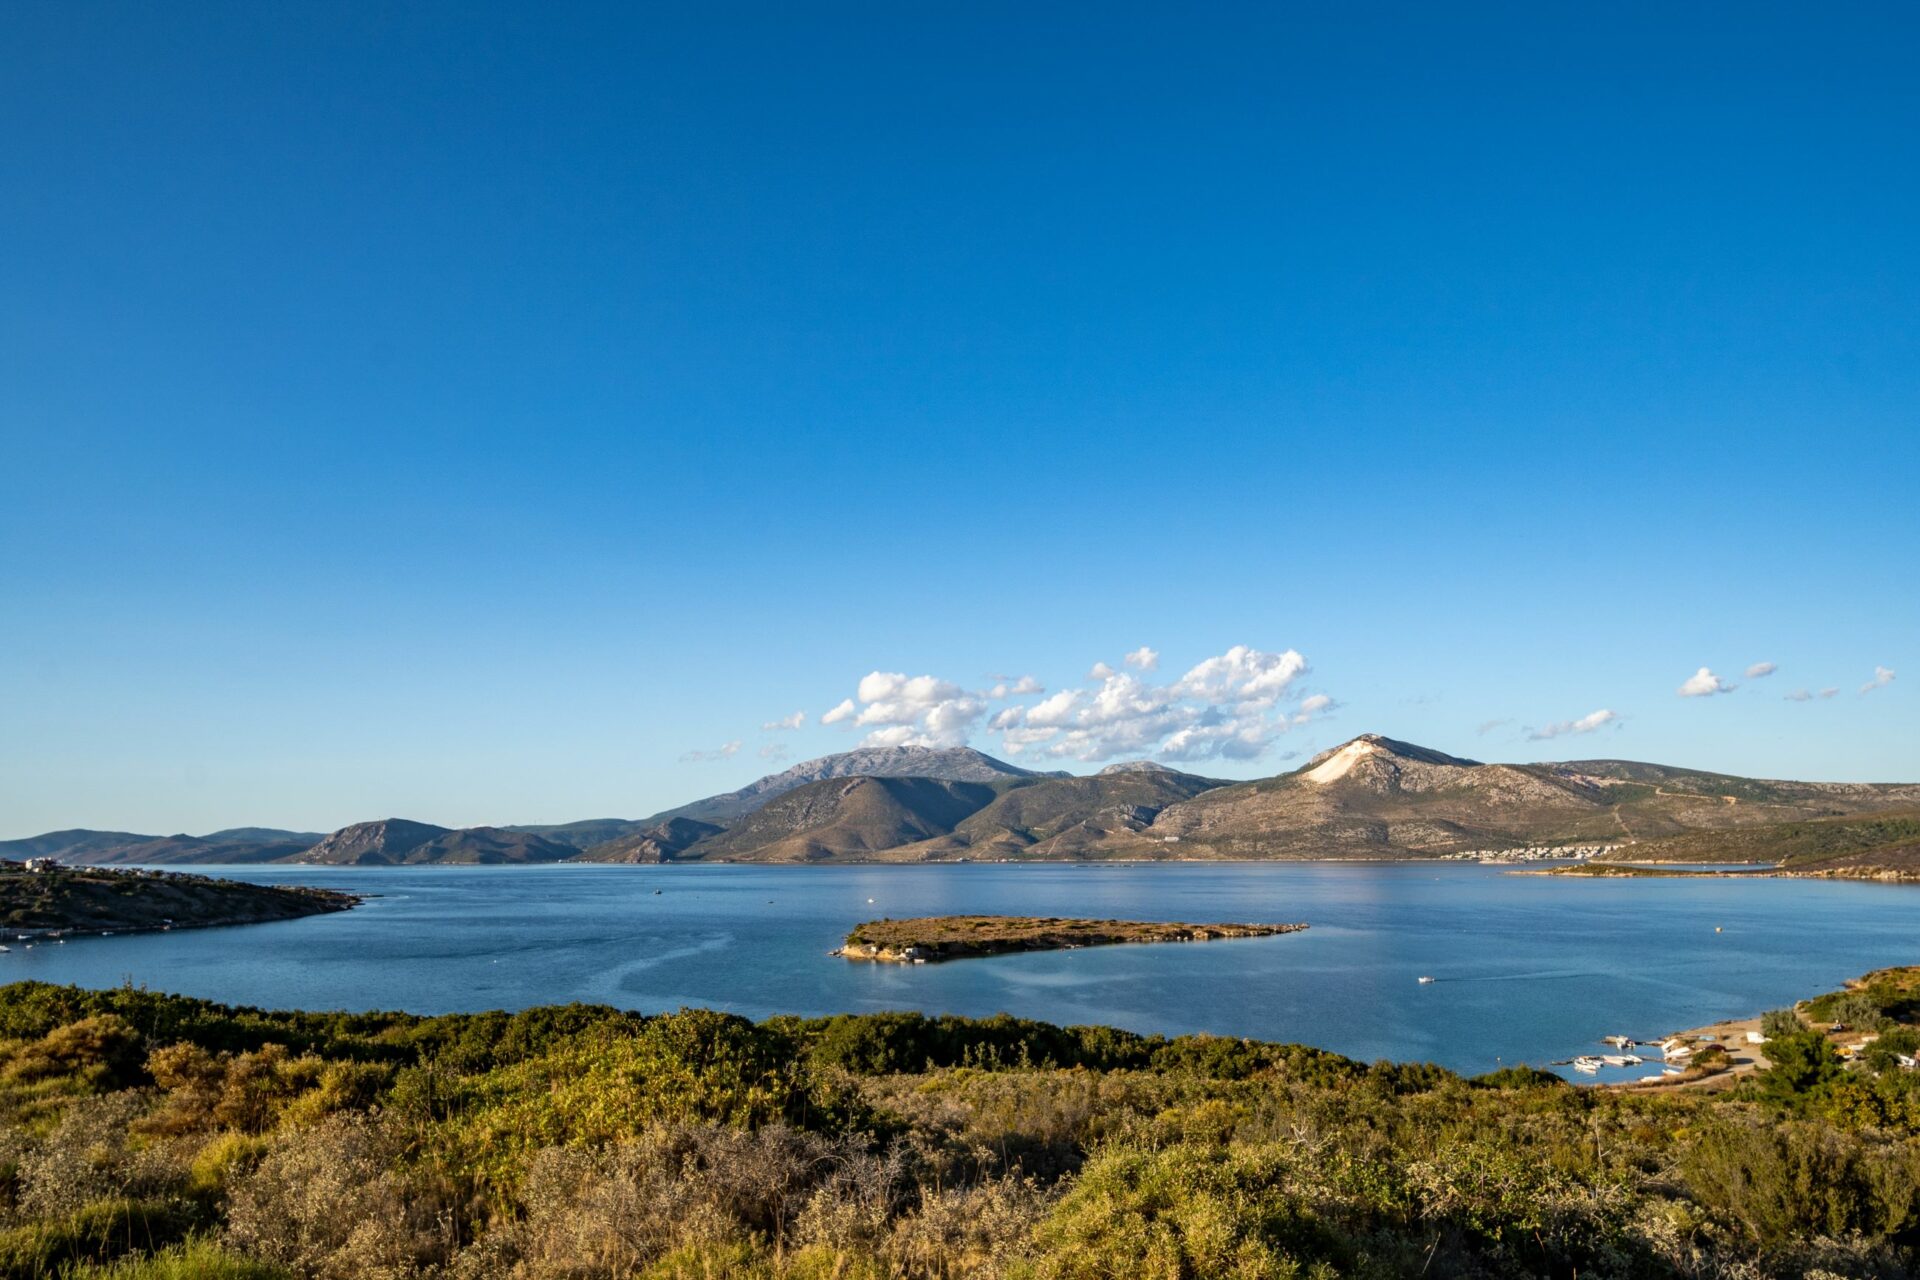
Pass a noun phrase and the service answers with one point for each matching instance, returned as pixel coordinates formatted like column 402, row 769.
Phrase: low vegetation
column 1861, row 846
column 145, row 1136
column 958, row 937
column 95, row 899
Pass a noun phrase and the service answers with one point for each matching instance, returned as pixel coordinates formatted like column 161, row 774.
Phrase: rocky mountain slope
column 584, row 834
column 1377, row 797
column 396, row 841
column 950, row 764
column 858, row 817
column 1372, row 797
column 1067, row 817
column 661, row 842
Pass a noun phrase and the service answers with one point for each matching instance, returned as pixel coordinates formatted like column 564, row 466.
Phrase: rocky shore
column 56, row 901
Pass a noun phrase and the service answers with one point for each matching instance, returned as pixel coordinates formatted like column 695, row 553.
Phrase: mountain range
column 1372, row 797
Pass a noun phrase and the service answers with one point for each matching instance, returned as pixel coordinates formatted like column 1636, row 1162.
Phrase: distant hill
column 375, row 843
column 950, row 764
column 1378, row 797
column 69, row 846
column 397, row 841
column 661, row 842
column 171, row 850
column 233, row 846
column 1371, row 797
column 584, row 834
column 1864, row 846
column 850, row 817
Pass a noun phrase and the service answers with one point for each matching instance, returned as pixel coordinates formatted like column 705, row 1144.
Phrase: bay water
column 1527, row 968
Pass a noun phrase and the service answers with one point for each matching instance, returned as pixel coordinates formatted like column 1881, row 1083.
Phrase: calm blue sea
column 1528, row 968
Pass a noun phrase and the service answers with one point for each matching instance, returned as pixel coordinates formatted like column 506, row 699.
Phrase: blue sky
column 488, row 413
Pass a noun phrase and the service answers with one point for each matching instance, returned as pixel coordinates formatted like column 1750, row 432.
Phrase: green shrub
column 194, row 1260
column 100, row 1232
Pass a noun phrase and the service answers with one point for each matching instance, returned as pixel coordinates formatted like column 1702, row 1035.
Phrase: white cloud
column 793, row 721
column 726, row 751
column 1230, row 706
column 1225, row 707
column 774, row 751
column 1803, row 695
column 902, row 710
column 1312, row 706
column 1882, row 677
column 1704, row 684
column 1488, row 726
column 1585, row 724
column 1761, row 670
column 1244, row 674
column 1054, row 711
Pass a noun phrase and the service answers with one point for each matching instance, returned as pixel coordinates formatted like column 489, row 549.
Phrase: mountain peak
column 1136, row 766
column 1331, row 766
column 947, row 764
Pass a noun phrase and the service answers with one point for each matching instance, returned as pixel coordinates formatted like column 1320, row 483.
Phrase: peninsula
column 931, row 938
column 38, row 899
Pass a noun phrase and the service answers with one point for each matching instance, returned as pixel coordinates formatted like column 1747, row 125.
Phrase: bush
column 328, row 1203
column 1778, row 1023
column 1783, row 1182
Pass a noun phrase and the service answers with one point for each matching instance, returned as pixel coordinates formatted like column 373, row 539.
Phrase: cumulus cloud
column 1882, row 677
column 726, row 751
column 1231, row 706
column 793, row 721
column 1244, row 674
column 1311, row 707
column 900, row 710
column 1803, row 695
column 1227, row 707
column 1585, row 724
column 1704, row 684
column 1761, row 670
column 774, row 751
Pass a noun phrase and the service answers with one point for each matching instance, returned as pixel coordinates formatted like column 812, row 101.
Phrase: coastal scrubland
column 146, row 1136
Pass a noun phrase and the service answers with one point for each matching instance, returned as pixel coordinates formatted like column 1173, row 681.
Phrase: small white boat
column 4, row 947
column 1587, row 1063
column 1424, row 978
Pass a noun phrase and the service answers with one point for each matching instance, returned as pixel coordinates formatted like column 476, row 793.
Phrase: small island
column 933, row 938
column 38, row 899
